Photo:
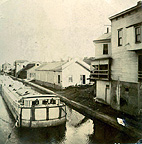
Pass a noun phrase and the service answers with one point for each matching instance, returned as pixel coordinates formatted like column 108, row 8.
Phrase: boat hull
column 39, row 124
column 18, row 113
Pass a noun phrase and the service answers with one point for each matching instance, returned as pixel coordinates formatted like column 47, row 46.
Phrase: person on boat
column 36, row 102
column 52, row 101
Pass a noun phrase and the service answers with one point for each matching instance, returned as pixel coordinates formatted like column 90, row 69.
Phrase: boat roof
column 40, row 96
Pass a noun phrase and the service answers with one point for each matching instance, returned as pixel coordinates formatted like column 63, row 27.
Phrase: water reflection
column 106, row 134
column 41, row 135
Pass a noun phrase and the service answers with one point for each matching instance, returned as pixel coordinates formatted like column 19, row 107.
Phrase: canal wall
column 86, row 111
column 128, row 102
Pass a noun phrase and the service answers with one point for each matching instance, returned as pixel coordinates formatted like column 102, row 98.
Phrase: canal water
column 77, row 130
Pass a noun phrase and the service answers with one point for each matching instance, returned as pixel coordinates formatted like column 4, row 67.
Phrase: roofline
column 50, row 70
column 102, row 40
column 39, row 96
column 139, row 4
column 83, row 66
column 103, row 58
column 54, row 69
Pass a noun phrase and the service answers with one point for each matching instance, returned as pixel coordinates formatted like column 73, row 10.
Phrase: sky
column 51, row 30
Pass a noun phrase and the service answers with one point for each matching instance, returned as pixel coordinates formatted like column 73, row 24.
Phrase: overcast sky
column 46, row 30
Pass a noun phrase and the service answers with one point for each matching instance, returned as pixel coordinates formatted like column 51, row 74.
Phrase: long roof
column 51, row 66
column 57, row 66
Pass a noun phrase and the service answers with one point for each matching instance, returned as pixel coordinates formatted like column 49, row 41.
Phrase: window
column 70, row 79
column 59, row 79
column 120, row 37
column 138, row 34
column 105, row 49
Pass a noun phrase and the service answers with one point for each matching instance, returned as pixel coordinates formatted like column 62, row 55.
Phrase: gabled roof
column 51, row 66
column 84, row 65
column 106, row 37
column 60, row 65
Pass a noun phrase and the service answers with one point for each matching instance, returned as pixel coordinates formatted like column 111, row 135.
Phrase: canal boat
column 30, row 108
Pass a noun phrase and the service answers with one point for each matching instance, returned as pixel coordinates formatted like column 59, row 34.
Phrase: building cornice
column 102, row 41
column 139, row 5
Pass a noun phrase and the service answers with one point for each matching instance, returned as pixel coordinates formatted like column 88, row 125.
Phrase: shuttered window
column 120, row 40
column 138, row 34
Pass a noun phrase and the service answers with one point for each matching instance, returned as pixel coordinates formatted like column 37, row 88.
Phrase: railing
column 139, row 75
column 100, row 74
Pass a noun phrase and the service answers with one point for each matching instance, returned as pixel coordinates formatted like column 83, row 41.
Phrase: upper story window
column 105, row 49
column 138, row 34
column 120, row 37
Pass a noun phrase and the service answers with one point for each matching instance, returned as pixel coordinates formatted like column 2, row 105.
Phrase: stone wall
column 128, row 101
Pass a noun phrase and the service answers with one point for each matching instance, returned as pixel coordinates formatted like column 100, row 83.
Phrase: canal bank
column 77, row 130
column 132, row 127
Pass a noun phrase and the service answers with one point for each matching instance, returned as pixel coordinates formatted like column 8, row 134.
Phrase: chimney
column 139, row 2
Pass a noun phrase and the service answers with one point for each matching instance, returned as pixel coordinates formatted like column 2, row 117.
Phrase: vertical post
column 60, row 112
column 21, row 117
column 47, row 113
column 108, row 70
column 139, row 84
column 33, row 113
column 106, row 94
column 118, row 94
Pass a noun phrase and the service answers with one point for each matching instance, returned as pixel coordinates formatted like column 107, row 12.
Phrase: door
column 107, row 94
column 84, row 79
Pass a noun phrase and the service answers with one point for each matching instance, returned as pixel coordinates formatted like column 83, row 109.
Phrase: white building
column 31, row 73
column 100, row 67
column 64, row 74
column 6, row 67
column 19, row 64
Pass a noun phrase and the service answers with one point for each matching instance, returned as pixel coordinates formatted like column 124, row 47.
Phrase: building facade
column 125, row 81
column 126, row 65
column 6, row 67
column 100, row 67
column 31, row 73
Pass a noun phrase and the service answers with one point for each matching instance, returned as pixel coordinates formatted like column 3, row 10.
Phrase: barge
column 30, row 108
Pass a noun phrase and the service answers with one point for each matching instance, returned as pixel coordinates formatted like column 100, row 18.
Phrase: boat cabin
column 28, row 102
